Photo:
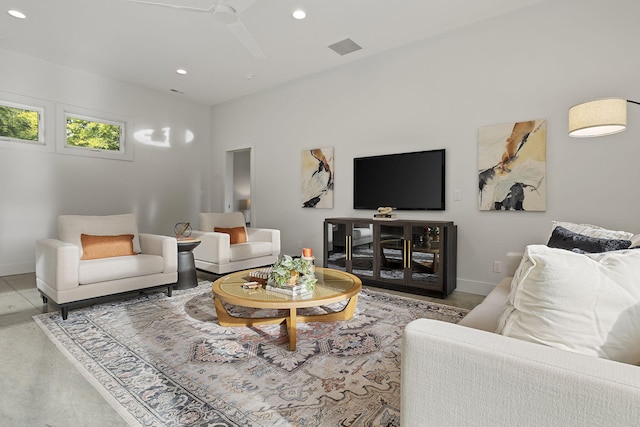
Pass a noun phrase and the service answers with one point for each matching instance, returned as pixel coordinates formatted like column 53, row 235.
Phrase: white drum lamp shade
column 598, row 118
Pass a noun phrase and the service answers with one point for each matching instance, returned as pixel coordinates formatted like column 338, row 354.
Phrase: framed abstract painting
column 512, row 161
column 317, row 178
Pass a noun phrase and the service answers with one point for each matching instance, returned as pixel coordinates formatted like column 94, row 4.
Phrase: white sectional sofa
column 467, row 375
column 63, row 276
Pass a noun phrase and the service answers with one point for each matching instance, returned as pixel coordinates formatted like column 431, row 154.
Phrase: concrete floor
column 40, row 387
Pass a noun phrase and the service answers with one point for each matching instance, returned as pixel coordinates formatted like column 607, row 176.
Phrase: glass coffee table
column 332, row 286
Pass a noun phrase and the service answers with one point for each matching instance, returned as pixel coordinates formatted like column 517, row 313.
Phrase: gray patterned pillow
column 564, row 239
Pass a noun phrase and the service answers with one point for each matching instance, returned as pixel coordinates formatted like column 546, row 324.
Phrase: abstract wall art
column 317, row 178
column 512, row 166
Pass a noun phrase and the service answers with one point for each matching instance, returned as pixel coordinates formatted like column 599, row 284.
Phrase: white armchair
column 217, row 253
column 67, row 273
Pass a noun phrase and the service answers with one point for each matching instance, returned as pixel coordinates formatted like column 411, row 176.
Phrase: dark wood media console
column 406, row 255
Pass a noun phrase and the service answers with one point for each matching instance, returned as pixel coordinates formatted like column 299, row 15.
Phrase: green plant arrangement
column 291, row 271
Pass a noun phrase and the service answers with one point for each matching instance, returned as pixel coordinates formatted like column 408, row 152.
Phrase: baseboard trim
column 12, row 269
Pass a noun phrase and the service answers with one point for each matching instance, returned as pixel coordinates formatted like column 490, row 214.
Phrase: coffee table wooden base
column 226, row 319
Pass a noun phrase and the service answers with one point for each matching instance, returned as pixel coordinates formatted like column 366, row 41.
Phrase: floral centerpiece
column 289, row 271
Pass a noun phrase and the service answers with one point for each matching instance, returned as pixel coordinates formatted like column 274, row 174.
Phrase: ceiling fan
column 224, row 14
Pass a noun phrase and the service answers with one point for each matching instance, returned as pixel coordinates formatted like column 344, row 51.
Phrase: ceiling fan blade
column 173, row 6
column 245, row 38
column 243, row 6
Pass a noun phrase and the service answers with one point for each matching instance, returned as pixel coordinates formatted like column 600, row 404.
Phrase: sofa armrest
column 265, row 235
column 214, row 247
column 513, row 262
column 57, row 263
column 164, row 246
column 453, row 375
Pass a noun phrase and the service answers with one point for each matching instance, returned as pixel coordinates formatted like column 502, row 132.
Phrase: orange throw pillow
column 236, row 234
column 94, row 247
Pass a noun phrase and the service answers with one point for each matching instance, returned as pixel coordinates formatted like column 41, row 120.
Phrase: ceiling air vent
column 345, row 46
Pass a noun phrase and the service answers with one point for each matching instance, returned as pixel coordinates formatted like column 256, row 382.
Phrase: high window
column 94, row 134
column 21, row 123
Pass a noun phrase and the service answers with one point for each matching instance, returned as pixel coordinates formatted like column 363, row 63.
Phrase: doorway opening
column 239, row 183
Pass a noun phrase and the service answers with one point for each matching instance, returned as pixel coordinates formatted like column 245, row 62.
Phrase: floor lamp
column 599, row 117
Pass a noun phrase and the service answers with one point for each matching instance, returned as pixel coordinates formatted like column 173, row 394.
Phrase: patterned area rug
column 166, row 362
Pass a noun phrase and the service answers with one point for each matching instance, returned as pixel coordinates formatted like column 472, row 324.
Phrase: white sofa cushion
column 588, row 304
column 70, row 227
column 242, row 251
column 105, row 269
column 485, row 316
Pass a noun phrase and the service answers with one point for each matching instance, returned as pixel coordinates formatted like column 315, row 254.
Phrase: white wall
column 162, row 186
column 531, row 64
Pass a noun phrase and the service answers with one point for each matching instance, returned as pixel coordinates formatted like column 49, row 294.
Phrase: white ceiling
column 145, row 44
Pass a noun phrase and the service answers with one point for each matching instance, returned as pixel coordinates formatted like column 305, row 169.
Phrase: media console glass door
column 392, row 253
column 336, row 242
column 410, row 254
column 350, row 247
column 424, row 268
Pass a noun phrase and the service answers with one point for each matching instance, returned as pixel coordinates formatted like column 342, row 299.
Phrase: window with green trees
column 21, row 123
column 95, row 134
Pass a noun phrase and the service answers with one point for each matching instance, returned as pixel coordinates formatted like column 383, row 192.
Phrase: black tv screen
column 405, row 181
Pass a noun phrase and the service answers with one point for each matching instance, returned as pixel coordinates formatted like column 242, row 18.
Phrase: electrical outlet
column 457, row 195
column 299, row 244
column 497, row 266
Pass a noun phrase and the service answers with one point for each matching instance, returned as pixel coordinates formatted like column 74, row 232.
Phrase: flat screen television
column 404, row 181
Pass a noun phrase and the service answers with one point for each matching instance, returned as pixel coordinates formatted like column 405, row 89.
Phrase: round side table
column 187, row 277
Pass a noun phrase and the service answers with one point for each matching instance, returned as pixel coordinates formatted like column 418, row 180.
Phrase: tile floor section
column 40, row 387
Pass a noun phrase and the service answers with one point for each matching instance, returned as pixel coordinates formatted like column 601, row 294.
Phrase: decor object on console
column 317, row 178
column 219, row 254
column 516, row 379
column 512, row 166
column 66, row 276
column 385, row 212
column 598, row 118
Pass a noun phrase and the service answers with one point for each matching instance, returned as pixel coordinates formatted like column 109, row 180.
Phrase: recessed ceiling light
column 249, row 76
column 299, row 14
column 17, row 14
column 181, row 71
